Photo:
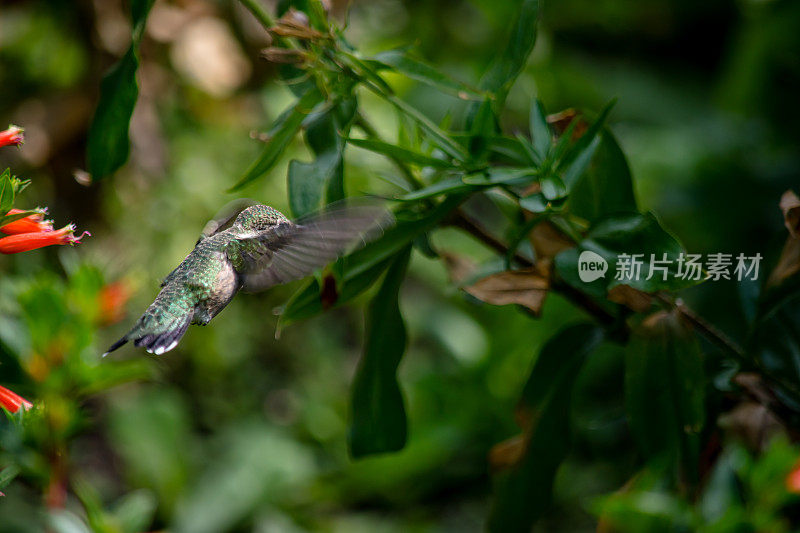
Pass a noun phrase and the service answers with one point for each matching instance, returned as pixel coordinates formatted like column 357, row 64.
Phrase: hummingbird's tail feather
column 167, row 338
column 116, row 345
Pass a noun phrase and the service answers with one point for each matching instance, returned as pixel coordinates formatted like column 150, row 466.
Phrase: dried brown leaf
column 459, row 268
column 548, row 241
column 790, row 205
column 523, row 287
column 560, row 122
column 788, row 264
column 789, row 261
column 507, row 453
column 631, row 298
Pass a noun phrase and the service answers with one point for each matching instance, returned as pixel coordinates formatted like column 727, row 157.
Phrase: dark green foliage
column 665, row 393
column 378, row 415
column 108, row 143
column 523, row 492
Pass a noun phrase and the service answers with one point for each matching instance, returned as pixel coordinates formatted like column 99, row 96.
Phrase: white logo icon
column 591, row 266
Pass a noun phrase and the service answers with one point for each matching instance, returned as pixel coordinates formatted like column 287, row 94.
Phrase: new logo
column 591, row 266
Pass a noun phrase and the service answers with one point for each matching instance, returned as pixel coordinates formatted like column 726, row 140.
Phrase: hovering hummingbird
column 251, row 247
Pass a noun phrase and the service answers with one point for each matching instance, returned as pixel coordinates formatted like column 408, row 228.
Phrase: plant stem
column 702, row 326
column 461, row 220
column 266, row 20
column 259, row 13
column 578, row 298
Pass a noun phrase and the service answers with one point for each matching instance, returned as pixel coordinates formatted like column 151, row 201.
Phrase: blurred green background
column 238, row 430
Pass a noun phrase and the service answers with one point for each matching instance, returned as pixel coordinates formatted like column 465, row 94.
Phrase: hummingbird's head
column 259, row 218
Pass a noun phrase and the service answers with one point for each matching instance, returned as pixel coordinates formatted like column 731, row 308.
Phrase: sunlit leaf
column 445, row 186
column 510, row 60
column 281, row 134
column 6, row 192
column 320, row 182
column 404, row 154
column 413, row 67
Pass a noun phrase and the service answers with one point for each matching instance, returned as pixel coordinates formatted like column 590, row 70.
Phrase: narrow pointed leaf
column 541, row 136
column 512, row 59
column 281, row 134
column 415, row 68
column 391, row 150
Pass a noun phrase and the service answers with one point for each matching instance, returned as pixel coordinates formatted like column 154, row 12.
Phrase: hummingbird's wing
column 294, row 250
column 225, row 217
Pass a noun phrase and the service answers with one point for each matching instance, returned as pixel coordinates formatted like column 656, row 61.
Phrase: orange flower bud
column 13, row 401
column 13, row 135
column 23, row 242
column 30, row 224
column 793, row 480
column 112, row 300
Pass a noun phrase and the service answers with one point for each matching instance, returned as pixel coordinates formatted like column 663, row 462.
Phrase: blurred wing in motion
column 291, row 251
column 225, row 217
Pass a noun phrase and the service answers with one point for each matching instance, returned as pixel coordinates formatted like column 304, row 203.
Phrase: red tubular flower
column 13, row 401
column 30, row 224
column 13, row 135
column 22, row 242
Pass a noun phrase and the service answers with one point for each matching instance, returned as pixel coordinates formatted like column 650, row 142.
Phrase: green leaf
column 445, row 186
column 665, row 391
column 579, row 155
column 7, row 475
column 6, row 192
column 775, row 344
column 134, row 511
column 503, row 176
column 509, row 63
column 108, row 144
column 8, row 219
column 541, row 136
column 437, row 135
column 415, row 68
column 639, row 234
column 281, row 134
column 552, row 187
column 482, row 129
column 320, row 182
column 378, row 414
column 253, row 467
column 409, row 156
column 523, row 492
column 607, row 186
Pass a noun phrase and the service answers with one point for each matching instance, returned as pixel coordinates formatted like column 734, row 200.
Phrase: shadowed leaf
column 378, row 414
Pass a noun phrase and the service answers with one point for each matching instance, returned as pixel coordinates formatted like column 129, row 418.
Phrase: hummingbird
column 249, row 247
